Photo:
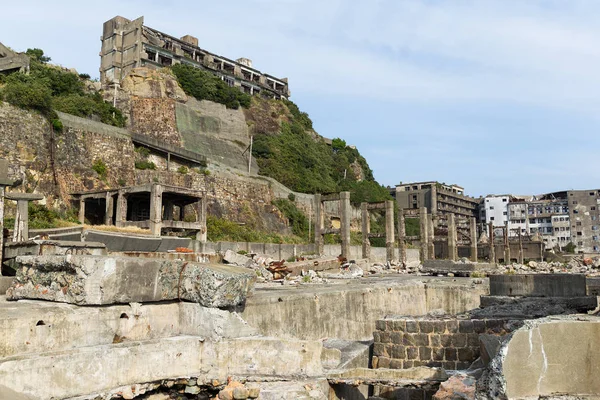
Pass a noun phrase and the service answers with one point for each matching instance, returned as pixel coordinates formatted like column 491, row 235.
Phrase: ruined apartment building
column 546, row 216
column 583, row 211
column 438, row 198
column 129, row 44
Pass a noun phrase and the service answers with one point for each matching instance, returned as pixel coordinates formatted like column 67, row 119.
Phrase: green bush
column 183, row 170
column 570, row 248
column 298, row 221
column 302, row 117
column 204, row 85
column 220, row 229
column 145, row 164
column 144, row 152
column 41, row 217
column 48, row 88
column 101, row 169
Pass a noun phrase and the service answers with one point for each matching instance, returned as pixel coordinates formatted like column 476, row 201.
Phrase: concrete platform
column 348, row 309
column 538, row 285
column 457, row 268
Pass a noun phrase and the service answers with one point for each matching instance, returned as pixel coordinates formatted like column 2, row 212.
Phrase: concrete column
column 21, row 230
column 345, row 215
column 1, row 225
column 520, row 248
column 431, row 237
column 452, row 250
column 389, row 230
column 202, row 234
column 156, row 209
column 506, row 244
column 423, row 235
column 473, row 232
column 168, row 213
column 365, row 229
column 492, row 247
column 401, row 237
column 318, row 224
column 82, row 210
column 434, row 209
column 121, row 209
column 108, row 214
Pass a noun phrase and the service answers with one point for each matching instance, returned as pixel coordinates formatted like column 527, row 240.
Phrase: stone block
column 439, row 326
column 399, row 325
column 408, row 339
column 101, row 280
column 450, row 354
column 449, row 365
column 376, row 336
column 438, row 354
column 385, row 337
column 478, row 326
column 466, row 354
column 397, row 337
column 379, row 349
column 421, row 339
column 472, row 340
column 446, row 340
column 396, row 364
column 381, row 325
column 426, row 326
column 399, row 352
column 459, row 340
column 408, row 364
column 452, row 326
column 412, row 353
column 425, row 353
column 383, row 362
column 412, row 326
column 435, row 341
column 465, row 326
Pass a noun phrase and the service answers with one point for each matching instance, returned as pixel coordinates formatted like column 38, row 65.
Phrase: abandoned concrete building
column 11, row 61
column 128, row 44
column 438, row 198
column 585, row 219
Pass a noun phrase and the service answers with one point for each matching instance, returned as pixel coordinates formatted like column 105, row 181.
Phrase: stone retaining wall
column 451, row 343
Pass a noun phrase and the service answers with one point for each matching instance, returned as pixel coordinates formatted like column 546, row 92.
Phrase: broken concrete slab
column 459, row 386
column 241, row 260
column 99, row 280
column 533, row 307
column 387, row 377
column 457, row 268
column 352, row 354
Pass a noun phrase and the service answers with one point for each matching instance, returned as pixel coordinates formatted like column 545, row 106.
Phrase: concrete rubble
column 99, row 280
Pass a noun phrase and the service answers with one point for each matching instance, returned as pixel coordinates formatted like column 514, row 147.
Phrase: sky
column 498, row 96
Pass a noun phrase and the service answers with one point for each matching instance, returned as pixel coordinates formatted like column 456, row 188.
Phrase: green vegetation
column 298, row 221
column 570, row 248
column 183, row 170
column 48, row 89
column 101, row 169
column 145, row 164
column 220, row 229
column 203, row 85
column 413, row 227
column 41, row 217
column 308, row 165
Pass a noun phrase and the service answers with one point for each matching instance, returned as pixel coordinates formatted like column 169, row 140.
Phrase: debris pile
column 577, row 265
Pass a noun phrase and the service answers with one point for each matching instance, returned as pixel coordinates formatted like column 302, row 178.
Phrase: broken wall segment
column 537, row 285
column 554, row 355
column 99, row 280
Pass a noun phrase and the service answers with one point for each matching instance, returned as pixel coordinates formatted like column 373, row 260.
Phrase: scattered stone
column 458, row 387
column 240, row 260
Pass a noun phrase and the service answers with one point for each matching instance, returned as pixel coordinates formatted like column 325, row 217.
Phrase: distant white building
column 494, row 209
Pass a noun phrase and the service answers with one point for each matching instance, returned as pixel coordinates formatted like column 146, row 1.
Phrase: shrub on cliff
column 203, row 85
column 297, row 219
column 49, row 88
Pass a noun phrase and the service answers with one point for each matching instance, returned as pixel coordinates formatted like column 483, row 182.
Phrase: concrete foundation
column 538, row 285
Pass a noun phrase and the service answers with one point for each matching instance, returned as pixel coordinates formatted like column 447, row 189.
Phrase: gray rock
column 234, row 258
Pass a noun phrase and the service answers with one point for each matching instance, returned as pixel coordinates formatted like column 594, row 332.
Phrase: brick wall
column 451, row 343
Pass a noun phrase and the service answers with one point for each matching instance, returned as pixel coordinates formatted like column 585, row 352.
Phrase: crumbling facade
column 11, row 61
column 129, row 44
column 438, row 198
column 585, row 219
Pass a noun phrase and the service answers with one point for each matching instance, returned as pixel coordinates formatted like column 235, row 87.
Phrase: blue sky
column 499, row 96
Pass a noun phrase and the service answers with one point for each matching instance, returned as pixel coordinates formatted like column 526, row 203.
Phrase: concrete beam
column 401, row 237
column 365, row 230
column 156, row 209
column 389, row 230
column 424, row 237
column 98, row 280
column 452, row 249
column 473, row 234
column 21, row 229
column 319, row 222
column 431, row 236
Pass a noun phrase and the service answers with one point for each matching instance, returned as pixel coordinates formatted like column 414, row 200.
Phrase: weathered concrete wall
column 349, row 311
column 556, row 355
column 378, row 254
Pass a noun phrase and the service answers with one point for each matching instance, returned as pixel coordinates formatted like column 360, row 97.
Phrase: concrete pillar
column 424, row 237
column 401, row 237
column 168, row 213
column 202, row 234
column 108, row 214
column 318, row 224
column 492, row 247
column 473, row 232
column 506, row 244
column 121, row 209
column 520, row 248
column 82, row 210
column 434, row 209
column 156, row 209
column 365, row 229
column 431, row 237
column 389, row 230
column 452, row 249
column 1, row 225
column 21, row 230
column 345, row 215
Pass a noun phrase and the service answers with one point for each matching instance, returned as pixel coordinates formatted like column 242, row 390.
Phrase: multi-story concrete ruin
column 11, row 61
column 584, row 215
column 438, row 198
column 128, row 44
